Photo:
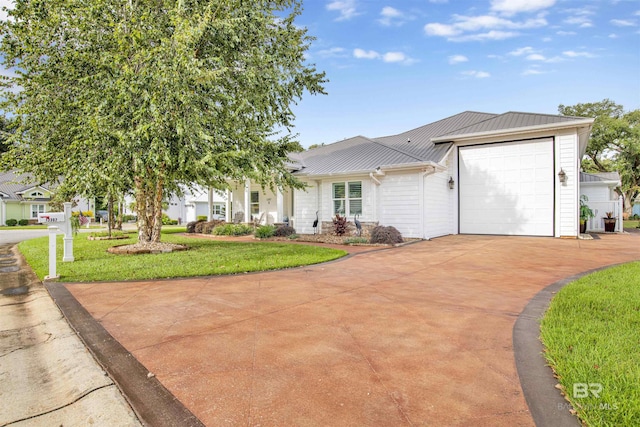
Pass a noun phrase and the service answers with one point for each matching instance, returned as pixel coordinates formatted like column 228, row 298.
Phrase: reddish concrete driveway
column 417, row 335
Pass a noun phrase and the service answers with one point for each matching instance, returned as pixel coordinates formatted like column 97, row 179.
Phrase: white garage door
column 507, row 188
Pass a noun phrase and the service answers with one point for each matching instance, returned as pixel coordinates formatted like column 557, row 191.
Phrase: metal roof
column 510, row 121
column 12, row 184
column 600, row 177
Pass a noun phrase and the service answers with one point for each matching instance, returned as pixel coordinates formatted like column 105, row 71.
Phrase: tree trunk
column 109, row 214
column 149, row 192
column 119, row 217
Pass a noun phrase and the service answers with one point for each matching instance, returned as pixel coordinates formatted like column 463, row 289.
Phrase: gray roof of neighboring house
column 600, row 177
column 361, row 154
column 509, row 120
column 12, row 184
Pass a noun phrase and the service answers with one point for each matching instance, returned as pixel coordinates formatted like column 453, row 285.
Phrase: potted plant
column 609, row 222
column 585, row 213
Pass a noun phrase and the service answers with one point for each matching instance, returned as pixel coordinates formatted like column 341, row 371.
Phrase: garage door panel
column 507, row 188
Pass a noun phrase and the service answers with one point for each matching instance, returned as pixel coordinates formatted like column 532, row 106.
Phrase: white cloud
column 566, row 33
column 365, row 54
column 623, row 22
column 547, row 39
column 535, row 57
column 581, row 20
column 476, row 74
column 511, row 7
column 334, row 52
column 9, row 4
column 574, row 54
column 532, row 71
column 346, row 8
column 613, row 36
column 394, row 57
column 390, row 16
column 522, row 51
column 457, row 59
column 483, row 27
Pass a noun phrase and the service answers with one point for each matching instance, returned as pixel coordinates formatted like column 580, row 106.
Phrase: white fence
column 600, row 210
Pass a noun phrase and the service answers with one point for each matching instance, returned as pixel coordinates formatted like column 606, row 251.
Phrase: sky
column 396, row 65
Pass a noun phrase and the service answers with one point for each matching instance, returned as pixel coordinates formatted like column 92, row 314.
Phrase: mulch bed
column 146, row 248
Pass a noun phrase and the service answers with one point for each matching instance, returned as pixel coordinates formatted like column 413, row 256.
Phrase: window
column 255, row 203
column 347, row 198
column 218, row 209
column 35, row 210
column 36, row 194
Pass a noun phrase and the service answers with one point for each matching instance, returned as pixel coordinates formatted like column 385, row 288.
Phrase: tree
column 614, row 144
column 5, row 132
column 151, row 95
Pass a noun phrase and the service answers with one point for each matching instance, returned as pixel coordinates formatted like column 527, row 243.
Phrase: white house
column 599, row 189
column 471, row 173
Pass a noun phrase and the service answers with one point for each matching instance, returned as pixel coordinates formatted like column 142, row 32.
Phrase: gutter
column 382, row 168
column 512, row 131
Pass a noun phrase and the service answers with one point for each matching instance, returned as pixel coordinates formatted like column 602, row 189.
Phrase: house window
column 36, row 194
column 255, row 203
column 35, row 210
column 347, row 198
column 218, row 209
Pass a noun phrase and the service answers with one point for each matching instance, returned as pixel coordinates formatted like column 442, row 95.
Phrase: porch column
column 227, row 207
column 3, row 212
column 210, row 204
column 279, row 206
column 247, row 200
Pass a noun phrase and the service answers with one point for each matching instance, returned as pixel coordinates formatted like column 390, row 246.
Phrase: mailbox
column 51, row 217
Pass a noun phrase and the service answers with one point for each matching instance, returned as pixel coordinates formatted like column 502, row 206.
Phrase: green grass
column 204, row 257
column 592, row 336
column 631, row 223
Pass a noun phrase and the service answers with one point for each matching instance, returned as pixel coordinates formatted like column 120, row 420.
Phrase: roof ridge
column 543, row 114
column 438, row 121
column 495, row 116
column 406, row 153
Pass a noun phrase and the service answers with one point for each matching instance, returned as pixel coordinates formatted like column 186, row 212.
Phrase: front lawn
column 204, row 257
column 592, row 339
column 631, row 223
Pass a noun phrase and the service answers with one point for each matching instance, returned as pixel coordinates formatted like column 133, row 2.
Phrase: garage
column 507, row 188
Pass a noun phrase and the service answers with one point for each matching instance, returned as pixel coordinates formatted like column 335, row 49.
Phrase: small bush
column 166, row 220
column 265, row 231
column 386, row 235
column 12, row 222
column 340, row 225
column 355, row 240
column 207, row 227
column 233, row 230
column 127, row 218
column 635, row 216
column 293, row 237
column 191, row 226
column 23, row 222
column 284, row 231
column 202, row 218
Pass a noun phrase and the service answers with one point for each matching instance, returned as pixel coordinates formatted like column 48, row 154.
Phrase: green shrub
column 265, row 231
column 166, row 220
column 202, row 218
column 12, row 222
column 23, row 222
column 232, row 230
column 293, row 237
column 386, row 235
column 355, row 240
column 207, row 227
column 127, row 218
column 284, row 231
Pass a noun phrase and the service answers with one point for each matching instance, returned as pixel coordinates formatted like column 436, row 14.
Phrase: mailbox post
column 67, row 255
column 59, row 221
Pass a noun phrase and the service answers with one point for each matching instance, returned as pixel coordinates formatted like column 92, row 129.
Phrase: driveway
column 416, row 335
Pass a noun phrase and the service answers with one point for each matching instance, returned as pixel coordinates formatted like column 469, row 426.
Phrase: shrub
column 12, row 222
column 191, row 226
column 23, row 222
column 199, row 228
column 233, row 230
column 284, row 231
column 127, row 218
column 386, row 235
column 265, row 231
column 355, row 240
column 293, row 237
column 340, row 225
column 207, row 227
column 202, row 218
column 635, row 216
column 166, row 220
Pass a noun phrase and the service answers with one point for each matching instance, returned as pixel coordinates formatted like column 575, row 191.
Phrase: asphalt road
column 16, row 236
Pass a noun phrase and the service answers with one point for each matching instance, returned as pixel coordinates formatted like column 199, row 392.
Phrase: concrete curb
column 151, row 401
column 547, row 406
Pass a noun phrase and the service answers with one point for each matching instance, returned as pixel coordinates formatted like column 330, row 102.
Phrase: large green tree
column 614, row 144
column 155, row 94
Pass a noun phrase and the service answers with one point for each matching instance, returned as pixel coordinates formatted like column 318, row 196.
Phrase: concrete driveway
column 417, row 335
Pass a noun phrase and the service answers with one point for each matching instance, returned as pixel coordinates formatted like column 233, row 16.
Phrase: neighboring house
column 20, row 200
column 599, row 188
column 471, row 173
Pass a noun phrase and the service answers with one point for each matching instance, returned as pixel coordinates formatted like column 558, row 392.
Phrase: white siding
column 437, row 205
column 567, row 194
column 596, row 193
column 400, row 202
column 367, row 198
column 305, row 205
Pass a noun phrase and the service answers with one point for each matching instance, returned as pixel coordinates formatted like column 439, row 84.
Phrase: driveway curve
column 415, row 335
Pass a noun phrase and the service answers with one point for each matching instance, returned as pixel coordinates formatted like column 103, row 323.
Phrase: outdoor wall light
column 562, row 175
column 452, row 183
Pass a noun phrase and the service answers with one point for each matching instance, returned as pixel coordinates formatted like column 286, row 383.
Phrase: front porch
column 248, row 202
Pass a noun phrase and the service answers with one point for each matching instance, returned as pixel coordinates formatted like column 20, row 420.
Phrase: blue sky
column 397, row 65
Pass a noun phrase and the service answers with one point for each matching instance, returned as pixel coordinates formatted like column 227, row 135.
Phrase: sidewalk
column 47, row 376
